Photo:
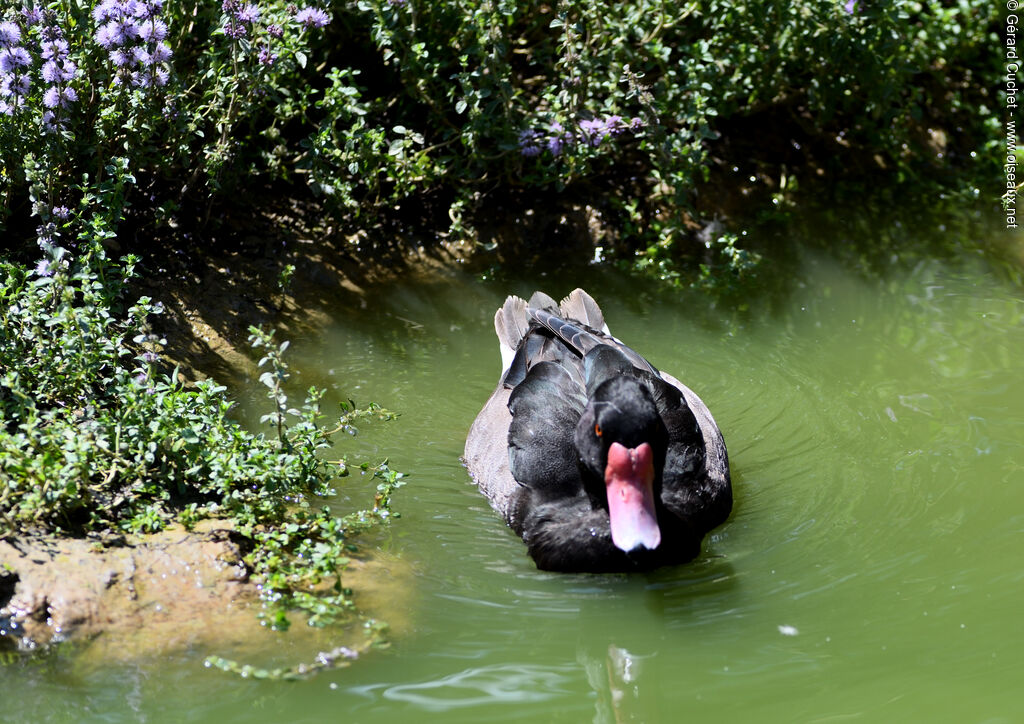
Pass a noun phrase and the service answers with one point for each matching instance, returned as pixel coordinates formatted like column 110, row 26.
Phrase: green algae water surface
column 872, row 570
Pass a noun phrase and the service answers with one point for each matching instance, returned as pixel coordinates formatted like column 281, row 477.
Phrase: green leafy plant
column 639, row 108
column 96, row 435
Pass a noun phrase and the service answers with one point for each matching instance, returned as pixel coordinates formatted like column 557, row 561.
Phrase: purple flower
column 249, row 14
column 43, row 268
column 44, row 236
column 120, row 58
column 312, row 17
column 61, row 212
column 142, row 79
column 9, row 108
column 104, row 38
column 594, row 131
column 10, row 34
column 266, row 57
column 134, row 36
column 558, row 138
column 51, row 72
column 56, row 97
column 107, row 9
column 15, row 85
column 125, row 31
column 56, row 48
column 51, row 98
column 529, row 143
column 161, row 53
column 153, row 30
column 32, row 15
column 851, row 6
column 51, row 122
column 68, row 70
column 234, row 29
column 13, row 58
column 275, row 31
column 146, row 10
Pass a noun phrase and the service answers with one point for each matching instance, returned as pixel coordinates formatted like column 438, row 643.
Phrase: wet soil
column 169, row 592
column 69, row 589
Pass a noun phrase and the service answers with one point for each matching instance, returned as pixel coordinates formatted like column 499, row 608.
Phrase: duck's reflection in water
column 617, row 678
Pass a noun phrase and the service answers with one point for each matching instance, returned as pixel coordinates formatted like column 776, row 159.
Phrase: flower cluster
column 58, row 72
column 312, row 17
column 15, row 62
column 591, row 132
column 132, row 32
column 239, row 18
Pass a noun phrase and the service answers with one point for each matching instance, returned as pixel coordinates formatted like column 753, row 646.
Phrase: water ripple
column 476, row 686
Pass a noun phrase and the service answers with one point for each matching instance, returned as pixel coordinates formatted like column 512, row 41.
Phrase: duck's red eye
column 597, row 429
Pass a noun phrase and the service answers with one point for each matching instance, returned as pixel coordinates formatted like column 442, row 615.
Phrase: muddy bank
column 73, row 589
column 171, row 591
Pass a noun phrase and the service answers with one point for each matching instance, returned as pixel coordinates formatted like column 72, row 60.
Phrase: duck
column 596, row 459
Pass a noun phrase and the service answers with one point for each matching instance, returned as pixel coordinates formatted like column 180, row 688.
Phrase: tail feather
column 581, row 306
column 511, row 323
column 540, row 300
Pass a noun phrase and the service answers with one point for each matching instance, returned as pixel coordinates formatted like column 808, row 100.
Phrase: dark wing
column 604, row 362
column 581, row 338
column 545, row 408
column 535, row 347
column 688, row 490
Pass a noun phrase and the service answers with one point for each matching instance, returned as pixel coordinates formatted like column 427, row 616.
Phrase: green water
column 872, row 570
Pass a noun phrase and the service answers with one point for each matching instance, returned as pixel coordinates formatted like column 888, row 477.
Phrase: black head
column 621, row 441
column 620, row 410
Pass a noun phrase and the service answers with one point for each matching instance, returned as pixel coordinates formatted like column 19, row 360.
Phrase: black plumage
column 578, row 414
